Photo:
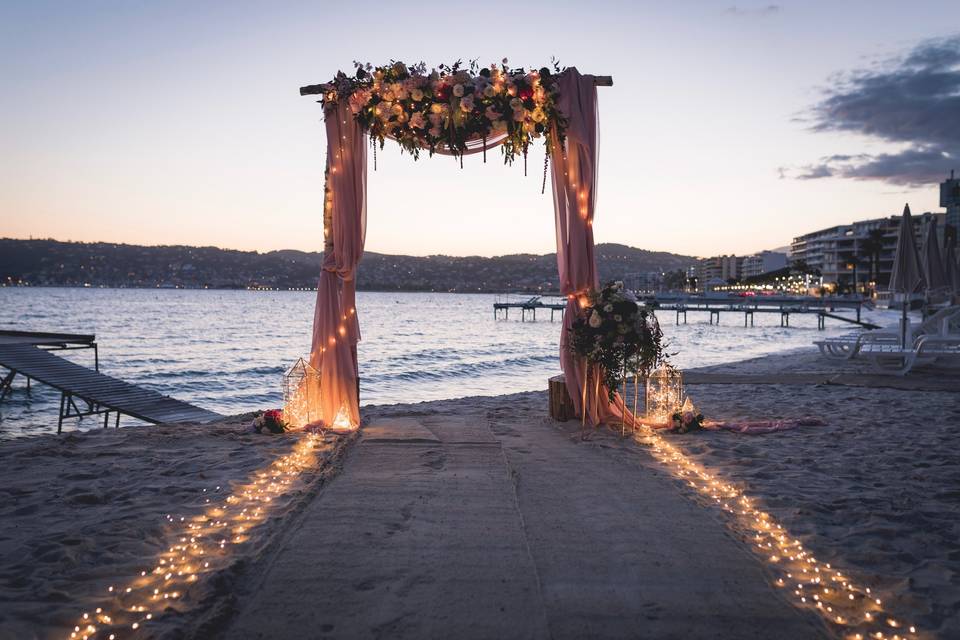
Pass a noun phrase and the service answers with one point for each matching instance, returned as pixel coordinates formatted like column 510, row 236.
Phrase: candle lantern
column 664, row 393
column 301, row 395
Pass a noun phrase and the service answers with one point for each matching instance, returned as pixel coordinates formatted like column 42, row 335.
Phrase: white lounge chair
column 942, row 323
column 887, row 358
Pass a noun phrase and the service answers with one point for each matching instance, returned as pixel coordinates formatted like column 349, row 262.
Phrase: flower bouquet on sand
column 270, row 421
column 686, row 419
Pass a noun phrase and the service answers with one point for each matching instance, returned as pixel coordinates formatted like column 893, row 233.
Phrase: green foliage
column 619, row 335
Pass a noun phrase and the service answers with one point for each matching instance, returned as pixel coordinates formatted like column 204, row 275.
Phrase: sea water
column 227, row 351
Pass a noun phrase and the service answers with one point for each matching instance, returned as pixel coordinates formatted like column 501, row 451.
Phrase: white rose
column 458, row 90
column 608, row 308
column 417, row 95
column 594, row 320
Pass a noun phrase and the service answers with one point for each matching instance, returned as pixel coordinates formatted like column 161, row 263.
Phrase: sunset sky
column 729, row 128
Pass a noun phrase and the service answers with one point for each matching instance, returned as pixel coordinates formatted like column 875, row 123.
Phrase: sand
column 86, row 510
column 876, row 491
column 481, row 515
column 480, row 519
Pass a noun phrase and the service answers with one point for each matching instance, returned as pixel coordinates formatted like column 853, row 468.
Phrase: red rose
column 526, row 93
column 443, row 92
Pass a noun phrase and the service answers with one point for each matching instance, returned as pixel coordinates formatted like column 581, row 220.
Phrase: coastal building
column 762, row 263
column 645, row 281
column 856, row 254
column 719, row 268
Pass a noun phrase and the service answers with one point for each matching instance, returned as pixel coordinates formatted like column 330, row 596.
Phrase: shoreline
column 873, row 491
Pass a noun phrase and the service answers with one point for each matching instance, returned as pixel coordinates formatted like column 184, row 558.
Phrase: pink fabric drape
column 336, row 329
column 574, row 180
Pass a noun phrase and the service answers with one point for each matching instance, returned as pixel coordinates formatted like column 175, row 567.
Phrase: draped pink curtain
column 574, row 179
column 336, row 329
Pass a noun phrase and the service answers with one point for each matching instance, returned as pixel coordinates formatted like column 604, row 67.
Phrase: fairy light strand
column 199, row 545
column 849, row 609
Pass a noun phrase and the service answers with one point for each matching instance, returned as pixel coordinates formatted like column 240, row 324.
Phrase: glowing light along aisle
column 201, row 545
column 850, row 610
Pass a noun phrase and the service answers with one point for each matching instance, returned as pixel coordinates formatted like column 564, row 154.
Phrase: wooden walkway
column 97, row 393
column 534, row 303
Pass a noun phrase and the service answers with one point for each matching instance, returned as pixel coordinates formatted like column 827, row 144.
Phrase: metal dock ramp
column 97, row 393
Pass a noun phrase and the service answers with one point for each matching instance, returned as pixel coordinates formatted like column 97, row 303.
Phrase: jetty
column 85, row 391
column 714, row 307
column 530, row 304
column 785, row 306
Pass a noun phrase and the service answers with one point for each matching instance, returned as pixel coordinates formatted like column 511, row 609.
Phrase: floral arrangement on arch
column 618, row 334
column 451, row 106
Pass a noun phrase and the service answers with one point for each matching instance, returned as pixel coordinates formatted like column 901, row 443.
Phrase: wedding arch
column 454, row 110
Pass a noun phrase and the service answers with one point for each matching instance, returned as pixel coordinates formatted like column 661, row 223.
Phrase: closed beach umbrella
column 934, row 272
column 907, row 276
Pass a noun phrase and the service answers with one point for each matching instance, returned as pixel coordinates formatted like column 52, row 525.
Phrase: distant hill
column 54, row 263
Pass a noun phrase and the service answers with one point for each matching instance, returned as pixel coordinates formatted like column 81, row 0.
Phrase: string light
column 198, row 546
column 849, row 609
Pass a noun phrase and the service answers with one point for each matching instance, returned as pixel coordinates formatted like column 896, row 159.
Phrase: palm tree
column 871, row 248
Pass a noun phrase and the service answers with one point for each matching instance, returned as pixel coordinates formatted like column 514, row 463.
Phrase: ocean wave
column 461, row 369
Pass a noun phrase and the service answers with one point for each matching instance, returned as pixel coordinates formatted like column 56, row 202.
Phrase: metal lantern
column 301, row 395
column 664, row 393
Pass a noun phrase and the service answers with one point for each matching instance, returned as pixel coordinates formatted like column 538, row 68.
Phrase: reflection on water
column 227, row 350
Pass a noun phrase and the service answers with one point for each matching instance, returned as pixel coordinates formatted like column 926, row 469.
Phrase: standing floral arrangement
column 450, row 106
column 618, row 334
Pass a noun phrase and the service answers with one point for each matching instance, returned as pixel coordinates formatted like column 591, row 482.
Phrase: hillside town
column 853, row 258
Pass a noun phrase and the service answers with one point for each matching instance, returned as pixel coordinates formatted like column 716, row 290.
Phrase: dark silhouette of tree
column 871, row 248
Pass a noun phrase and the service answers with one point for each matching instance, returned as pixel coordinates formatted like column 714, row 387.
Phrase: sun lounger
column 943, row 323
column 892, row 359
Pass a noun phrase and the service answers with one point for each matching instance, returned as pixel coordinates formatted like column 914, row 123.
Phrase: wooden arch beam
column 317, row 89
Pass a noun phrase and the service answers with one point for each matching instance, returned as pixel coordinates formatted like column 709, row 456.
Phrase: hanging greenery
column 451, row 106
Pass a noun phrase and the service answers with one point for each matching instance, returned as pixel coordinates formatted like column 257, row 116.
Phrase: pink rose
column 417, row 121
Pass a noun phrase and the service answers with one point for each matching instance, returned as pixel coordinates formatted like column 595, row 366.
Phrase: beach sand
column 87, row 510
column 876, row 492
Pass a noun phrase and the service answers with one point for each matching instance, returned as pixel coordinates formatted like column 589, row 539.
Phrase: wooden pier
column 83, row 391
column 822, row 308
column 681, row 305
column 531, row 305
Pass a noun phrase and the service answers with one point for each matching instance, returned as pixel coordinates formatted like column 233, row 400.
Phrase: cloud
column 759, row 12
column 913, row 101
